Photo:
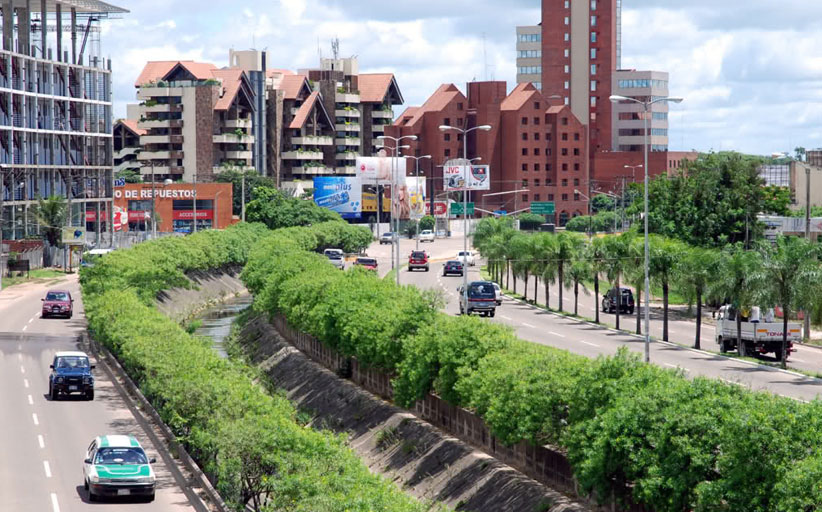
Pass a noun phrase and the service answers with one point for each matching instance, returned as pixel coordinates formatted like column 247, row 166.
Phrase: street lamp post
column 646, row 106
column 633, row 179
column 464, row 132
column 395, row 223
column 195, row 201
column 3, row 168
column 590, row 217
column 417, row 164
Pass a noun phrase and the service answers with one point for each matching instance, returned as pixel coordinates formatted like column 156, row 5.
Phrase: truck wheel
column 778, row 354
column 492, row 313
column 90, row 395
column 722, row 348
column 53, row 393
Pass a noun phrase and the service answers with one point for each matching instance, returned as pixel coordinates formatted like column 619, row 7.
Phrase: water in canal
column 217, row 320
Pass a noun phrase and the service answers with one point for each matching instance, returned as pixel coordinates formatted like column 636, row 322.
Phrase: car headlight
column 145, row 479
column 59, row 380
column 94, row 479
column 88, row 380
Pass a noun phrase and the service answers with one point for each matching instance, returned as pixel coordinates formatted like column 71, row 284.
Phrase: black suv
column 71, row 373
column 626, row 305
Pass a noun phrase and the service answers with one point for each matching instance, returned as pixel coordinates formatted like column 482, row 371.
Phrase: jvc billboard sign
column 457, row 176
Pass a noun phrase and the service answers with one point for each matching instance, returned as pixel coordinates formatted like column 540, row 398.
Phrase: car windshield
column 454, row 263
column 481, row 290
column 387, row 234
column 120, row 456
column 418, row 255
column 57, row 296
column 367, row 261
column 463, row 253
column 334, row 256
column 71, row 362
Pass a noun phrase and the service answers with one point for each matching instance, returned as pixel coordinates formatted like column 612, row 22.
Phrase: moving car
column 335, row 257
column 482, row 299
column 442, row 233
column 467, row 257
column 626, row 305
column 116, row 465
column 452, row 267
column 426, row 235
column 57, row 303
column 418, row 259
column 367, row 263
column 71, row 373
column 387, row 238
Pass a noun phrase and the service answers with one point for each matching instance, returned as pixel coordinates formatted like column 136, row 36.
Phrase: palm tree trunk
column 547, row 293
column 525, row 288
column 515, row 282
column 738, row 327
column 561, row 284
column 638, row 305
column 596, row 296
column 698, row 319
column 665, row 311
column 618, row 301
column 508, row 271
column 536, row 284
column 784, row 337
column 576, row 298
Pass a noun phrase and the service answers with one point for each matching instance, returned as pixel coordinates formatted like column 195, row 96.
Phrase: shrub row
column 631, row 430
column 248, row 441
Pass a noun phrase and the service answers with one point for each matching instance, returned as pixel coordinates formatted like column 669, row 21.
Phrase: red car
column 367, row 263
column 58, row 303
column 418, row 259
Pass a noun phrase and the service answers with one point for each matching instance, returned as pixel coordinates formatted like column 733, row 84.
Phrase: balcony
column 161, row 139
column 347, row 113
column 119, row 155
column 302, row 155
column 352, row 127
column 230, row 138
column 318, row 170
column 348, row 155
column 161, row 107
column 382, row 114
column 239, row 155
column 159, row 155
column 378, row 128
column 343, row 97
column 347, row 141
column 238, row 123
column 312, row 140
column 148, row 124
column 348, row 169
column 146, row 93
column 146, row 171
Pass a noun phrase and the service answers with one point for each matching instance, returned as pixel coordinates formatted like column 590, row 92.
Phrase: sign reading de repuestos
column 159, row 193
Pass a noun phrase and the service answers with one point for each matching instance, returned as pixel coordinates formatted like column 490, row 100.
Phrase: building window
column 536, row 106
column 576, row 196
column 529, row 54
column 529, row 38
column 565, row 121
column 564, row 151
column 447, row 121
column 536, row 184
column 567, row 69
column 525, row 167
column 524, row 121
column 593, row 21
column 593, row 37
column 576, row 182
column 538, row 85
column 567, row 100
column 550, row 197
column 564, row 136
column 567, row 36
column 459, row 106
column 576, row 167
column 576, row 151
column 524, row 136
column 447, row 137
column 536, row 151
column 593, row 85
column 593, row 101
column 524, row 183
column 567, row 84
column 593, row 53
column 564, row 182
column 593, row 5
column 524, row 151
column 565, row 198
column 567, row 4
column 536, row 136
column 564, row 167
column 529, row 70
column 567, row 52
column 536, row 167
column 576, row 136
column 548, row 168
column 593, row 69
column 536, row 121
column 524, row 198
column 447, row 153
column 567, row 20
column 536, row 197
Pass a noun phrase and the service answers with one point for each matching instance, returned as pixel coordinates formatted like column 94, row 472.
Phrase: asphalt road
column 45, row 441
column 538, row 326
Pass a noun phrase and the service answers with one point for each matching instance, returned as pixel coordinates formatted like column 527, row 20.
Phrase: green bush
column 530, row 221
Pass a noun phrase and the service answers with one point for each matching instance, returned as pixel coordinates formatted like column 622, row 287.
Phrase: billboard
column 416, row 190
column 465, row 177
column 342, row 194
column 371, row 168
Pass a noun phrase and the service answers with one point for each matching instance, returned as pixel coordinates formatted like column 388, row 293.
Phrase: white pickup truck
column 757, row 337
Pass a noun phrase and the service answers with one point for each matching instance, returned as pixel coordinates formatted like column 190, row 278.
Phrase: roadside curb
column 138, row 403
column 671, row 344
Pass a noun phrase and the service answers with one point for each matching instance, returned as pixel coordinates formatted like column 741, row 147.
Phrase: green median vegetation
column 631, row 431
column 248, row 442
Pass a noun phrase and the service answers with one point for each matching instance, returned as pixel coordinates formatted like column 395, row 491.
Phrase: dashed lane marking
column 558, row 335
column 22, row 369
column 505, row 317
column 34, row 418
column 25, row 327
column 528, row 325
column 41, row 441
column 55, row 507
column 589, row 344
column 26, row 383
column 47, row 468
column 31, row 400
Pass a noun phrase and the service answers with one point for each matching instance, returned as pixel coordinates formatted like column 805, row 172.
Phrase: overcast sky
column 750, row 71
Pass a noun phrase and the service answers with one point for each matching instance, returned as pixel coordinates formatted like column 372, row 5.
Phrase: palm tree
column 665, row 253
column 617, row 252
column 544, row 249
column 695, row 271
column 567, row 248
column 739, row 279
column 578, row 271
column 595, row 254
column 522, row 249
column 793, row 275
column 635, row 274
column 490, row 239
column 51, row 215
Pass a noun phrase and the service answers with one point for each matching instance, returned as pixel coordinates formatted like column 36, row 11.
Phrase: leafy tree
column 578, row 272
column 635, row 274
column 695, row 271
column 665, row 255
column 567, row 250
column 130, row 175
column 51, row 216
column 601, row 222
column 739, row 280
column 427, row 223
column 616, row 250
column 602, row 203
column 793, row 276
column 522, row 259
column 491, row 238
column 776, row 200
column 276, row 210
column 253, row 179
column 530, row 221
column 595, row 253
column 545, row 249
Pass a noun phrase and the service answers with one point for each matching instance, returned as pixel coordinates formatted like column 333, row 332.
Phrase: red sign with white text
column 189, row 214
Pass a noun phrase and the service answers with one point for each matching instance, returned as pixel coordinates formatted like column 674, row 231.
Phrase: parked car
column 626, row 305
column 467, row 257
column 426, row 235
column 366, row 262
column 57, row 303
column 387, row 238
column 482, row 299
column 498, row 294
column 71, row 373
column 418, row 260
column 116, row 465
column 335, row 257
column 452, row 267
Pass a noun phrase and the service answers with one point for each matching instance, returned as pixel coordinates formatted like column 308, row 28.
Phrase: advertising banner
column 371, row 168
column 440, row 209
column 342, row 194
column 416, row 189
column 466, row 177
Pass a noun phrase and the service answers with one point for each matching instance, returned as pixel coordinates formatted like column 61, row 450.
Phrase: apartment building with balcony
column 55, row 112
column 198, row 120
column 127, row 145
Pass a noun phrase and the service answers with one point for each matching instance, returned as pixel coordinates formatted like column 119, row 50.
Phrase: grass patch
column 35, row 276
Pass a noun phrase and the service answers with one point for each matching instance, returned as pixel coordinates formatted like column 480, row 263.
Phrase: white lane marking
column 26, row 382
column 528, row 325
column 22, row 369
column 55, row 507
column 795, row 360
column 19, row 357
column 505, row 317
column 34, row 318
column 558, row 335
column 41, row 441
column 31, row 400
column 25, row 327
column 31, row 319
column 591, row 344
column 34, row 417
column 47, row 468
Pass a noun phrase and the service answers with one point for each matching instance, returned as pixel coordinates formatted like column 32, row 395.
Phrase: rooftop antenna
column 335, row 47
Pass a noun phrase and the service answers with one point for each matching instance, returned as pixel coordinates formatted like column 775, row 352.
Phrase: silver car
column 335, row 257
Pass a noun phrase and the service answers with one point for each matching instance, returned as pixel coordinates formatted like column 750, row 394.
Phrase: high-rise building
column 55, row 113
column 529, row 55
column 627, row 117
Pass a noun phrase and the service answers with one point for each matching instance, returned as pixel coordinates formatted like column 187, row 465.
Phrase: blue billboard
column 342, row 194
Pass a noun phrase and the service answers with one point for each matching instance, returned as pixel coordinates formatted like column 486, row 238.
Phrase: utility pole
column 242, row 210
column 195, row 201
column 2, row 196
column 153, row 205
column 807, row 315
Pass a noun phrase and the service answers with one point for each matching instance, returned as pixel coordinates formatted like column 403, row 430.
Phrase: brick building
column 536, row 150
column 174, row 206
